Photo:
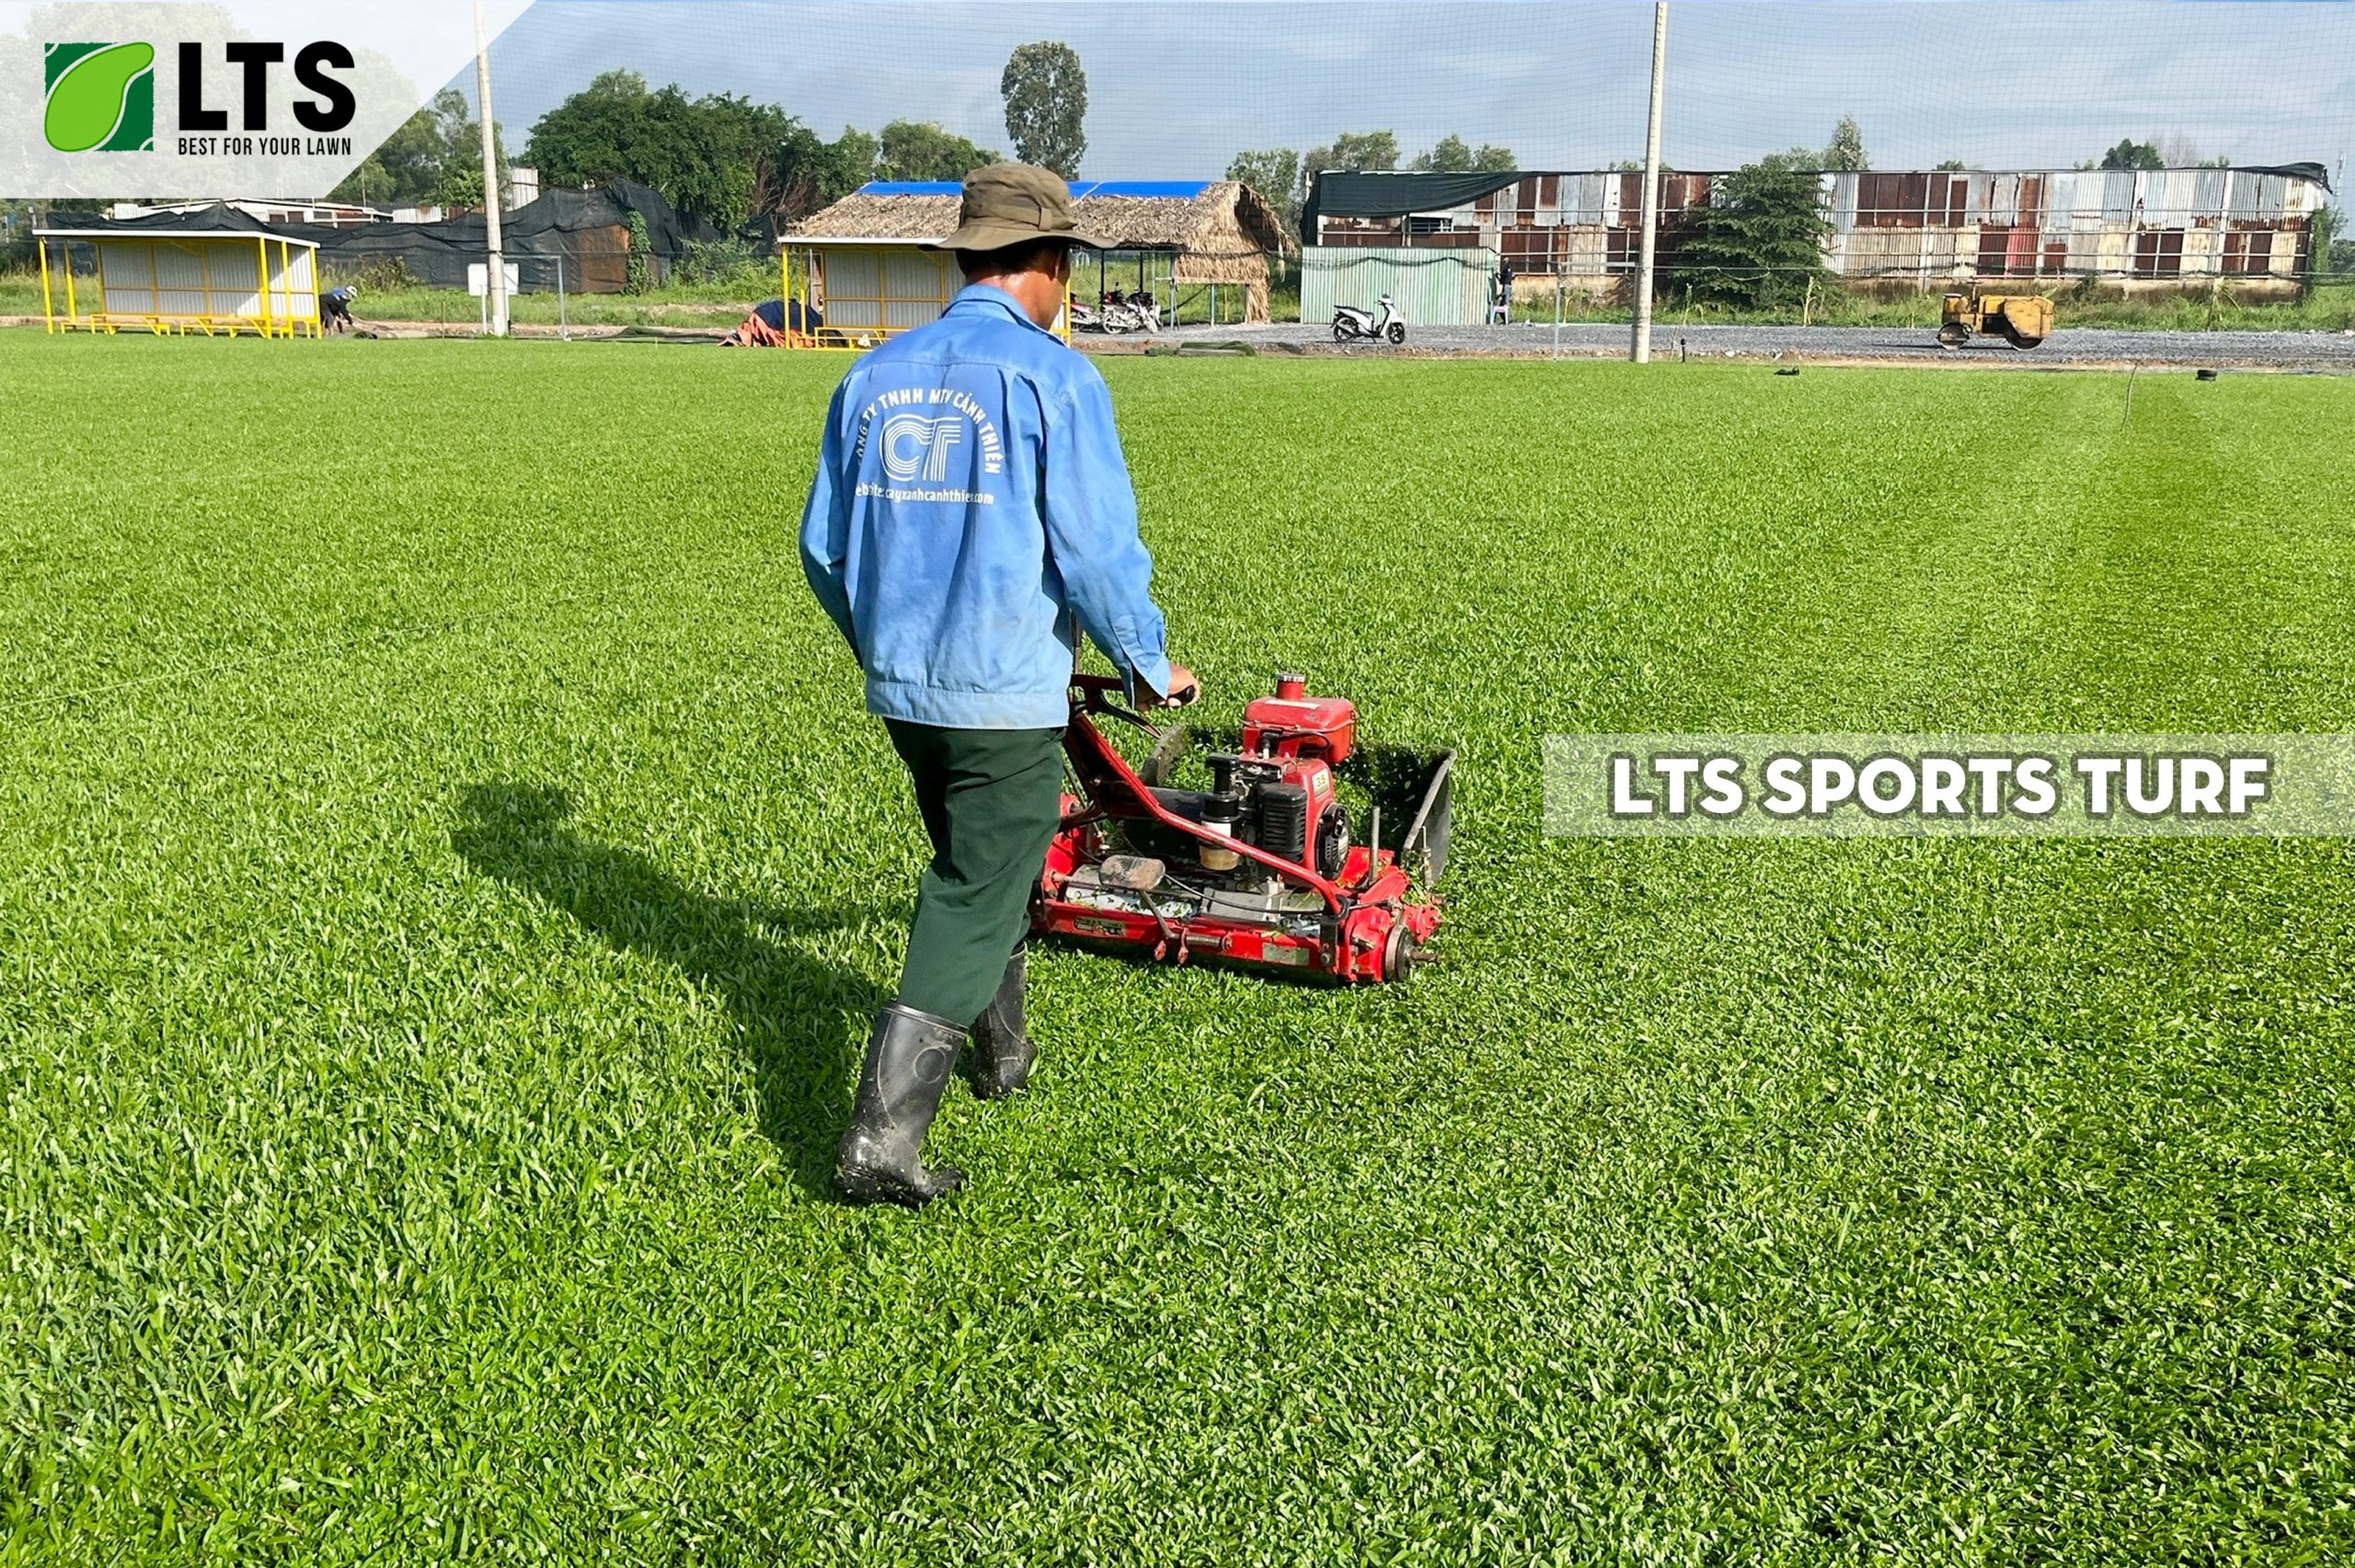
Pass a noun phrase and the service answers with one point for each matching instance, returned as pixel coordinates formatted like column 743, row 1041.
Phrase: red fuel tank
column 1293, row 724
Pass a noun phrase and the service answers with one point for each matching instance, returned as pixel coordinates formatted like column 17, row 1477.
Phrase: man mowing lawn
column 971, row 513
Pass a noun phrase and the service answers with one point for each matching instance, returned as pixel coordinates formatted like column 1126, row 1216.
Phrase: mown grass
column 448, row 873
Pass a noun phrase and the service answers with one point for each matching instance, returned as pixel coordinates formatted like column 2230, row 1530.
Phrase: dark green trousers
column 989, row 800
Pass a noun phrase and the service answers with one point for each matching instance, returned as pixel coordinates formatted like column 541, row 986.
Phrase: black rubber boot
column 908, row 1062
column 1002, row 1049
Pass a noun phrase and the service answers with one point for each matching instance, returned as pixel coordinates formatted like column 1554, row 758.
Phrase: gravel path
column 2092, row 344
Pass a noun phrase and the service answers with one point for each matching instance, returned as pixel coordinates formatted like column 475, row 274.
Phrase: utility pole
column 1643, row 346
column 495, row 285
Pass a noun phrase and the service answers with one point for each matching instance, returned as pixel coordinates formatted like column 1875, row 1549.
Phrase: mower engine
column 1263, row 867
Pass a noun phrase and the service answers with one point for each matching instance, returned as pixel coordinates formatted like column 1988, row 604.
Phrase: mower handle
column 1095, row 693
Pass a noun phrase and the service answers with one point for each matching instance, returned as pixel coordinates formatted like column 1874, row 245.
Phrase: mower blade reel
column 1156, row 768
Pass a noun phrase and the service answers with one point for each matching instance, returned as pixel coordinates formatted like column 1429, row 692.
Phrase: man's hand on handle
column 1183, row 688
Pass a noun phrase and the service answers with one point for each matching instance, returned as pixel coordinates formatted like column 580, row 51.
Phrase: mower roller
column 1263, row 868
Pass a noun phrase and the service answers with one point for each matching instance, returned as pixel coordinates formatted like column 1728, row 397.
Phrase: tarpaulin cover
column 2314, row 172
column 577, row 228
column 1341, row 193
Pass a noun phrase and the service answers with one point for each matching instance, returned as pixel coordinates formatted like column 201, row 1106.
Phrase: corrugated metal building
column 1432, row 288
column 2138, row 229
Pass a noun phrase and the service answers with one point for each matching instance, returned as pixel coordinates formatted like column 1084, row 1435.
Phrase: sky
column 1176, row 89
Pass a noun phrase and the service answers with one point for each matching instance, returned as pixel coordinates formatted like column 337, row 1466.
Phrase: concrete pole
column 1643, row 346
column 496, row 284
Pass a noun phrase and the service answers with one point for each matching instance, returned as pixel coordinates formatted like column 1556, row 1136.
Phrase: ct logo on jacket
column 911, row 442
column 921, row 447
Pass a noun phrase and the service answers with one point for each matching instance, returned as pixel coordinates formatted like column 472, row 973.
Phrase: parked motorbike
column 1356, row 321
column 1117, row 313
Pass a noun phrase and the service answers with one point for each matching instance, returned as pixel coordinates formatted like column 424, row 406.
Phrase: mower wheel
column 1398, row 955
column 1953, row 335
column 2025, row 342
column 1397, row 332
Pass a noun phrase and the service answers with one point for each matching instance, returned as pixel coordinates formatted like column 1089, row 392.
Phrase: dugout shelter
column 217, row 282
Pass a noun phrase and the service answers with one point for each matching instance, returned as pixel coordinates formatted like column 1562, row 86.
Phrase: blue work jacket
column 971, row 515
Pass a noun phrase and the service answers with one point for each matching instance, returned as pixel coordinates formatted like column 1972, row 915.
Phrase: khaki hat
column 1012, row 204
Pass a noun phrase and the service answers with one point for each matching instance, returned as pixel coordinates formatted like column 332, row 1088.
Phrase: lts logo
column 100, row 97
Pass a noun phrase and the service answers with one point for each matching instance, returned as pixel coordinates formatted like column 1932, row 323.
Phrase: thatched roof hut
column 1218, row 231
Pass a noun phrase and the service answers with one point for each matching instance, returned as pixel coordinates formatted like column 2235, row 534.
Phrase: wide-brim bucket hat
column 1015, row 204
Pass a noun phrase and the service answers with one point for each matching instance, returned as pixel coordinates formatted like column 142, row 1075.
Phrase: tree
column 436, row 156
column 814, row 173
column 1954, row 165
column 1046, row 106
column 1449, row 154
column 407, row 168
column 923, row 149
column 1846, row 148
column 598, row 134
column 461, row 186
column 1361, row 150
column 2131, row 154
column 2327, row 253
column 462, row 160
column 1760, row 239
column 17, row 222
column 637, row 270
column 738, row 175
column 719, row 159
column 851, row 158
column 1274, row 173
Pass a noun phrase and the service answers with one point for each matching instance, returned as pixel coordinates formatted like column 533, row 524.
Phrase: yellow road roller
column 2021, row 320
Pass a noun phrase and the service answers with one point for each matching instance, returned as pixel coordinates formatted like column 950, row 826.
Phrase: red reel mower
column 1263, row 867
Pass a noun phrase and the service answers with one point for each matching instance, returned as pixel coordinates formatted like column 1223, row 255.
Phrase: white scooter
column 1356, row 321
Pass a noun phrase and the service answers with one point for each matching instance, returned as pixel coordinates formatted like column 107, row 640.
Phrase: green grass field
column 448, row 873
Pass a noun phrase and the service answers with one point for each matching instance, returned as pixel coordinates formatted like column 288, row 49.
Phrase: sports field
column 447, row 873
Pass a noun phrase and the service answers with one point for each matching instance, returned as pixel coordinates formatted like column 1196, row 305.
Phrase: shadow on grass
column 790, row 1007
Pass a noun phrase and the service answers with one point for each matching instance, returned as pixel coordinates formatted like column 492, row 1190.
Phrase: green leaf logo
column 101, row 97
